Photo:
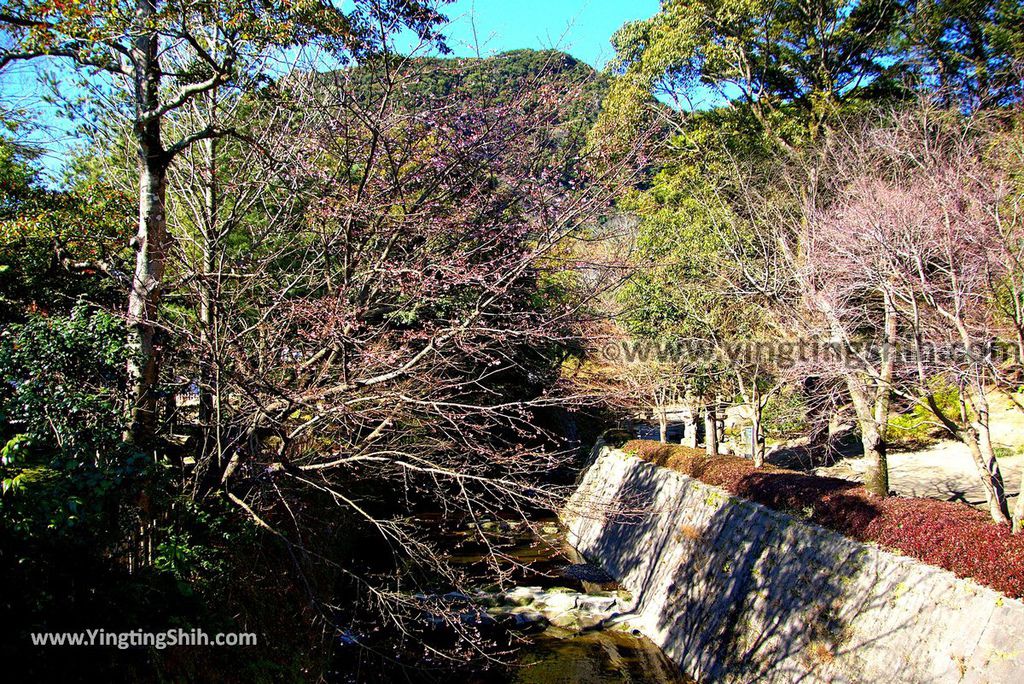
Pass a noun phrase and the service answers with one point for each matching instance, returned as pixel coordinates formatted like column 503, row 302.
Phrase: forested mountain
column 496, row 79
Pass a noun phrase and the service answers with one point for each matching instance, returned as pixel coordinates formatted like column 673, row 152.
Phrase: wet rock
column 534, row 607
column 597, row 604
column 555, row 632
column 569, row 621
column 586, row 572
column 557, row 602
column 590, row 621
column 520, row 618
column 576, row 620
column 523, row 596
column 526, row 619
column 477, row 618
column 489, row 599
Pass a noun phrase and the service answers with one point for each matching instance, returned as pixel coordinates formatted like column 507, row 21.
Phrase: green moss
column 712, row 498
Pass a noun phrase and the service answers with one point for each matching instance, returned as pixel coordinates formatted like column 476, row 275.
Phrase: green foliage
column 969, row 49
column 63, row 461
column 498, row 79
column 56, row 246
column 917, row 427
column 17, row 177
column 74, row 500
column 785, row 415
column 692, row 238
column 1005, row 152
column 691, row 249
column 767, row 57
column 525, row 78
column 1004, row 452
column 784, row 83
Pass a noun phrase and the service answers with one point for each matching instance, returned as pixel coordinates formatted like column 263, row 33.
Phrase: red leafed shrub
column 950, row 535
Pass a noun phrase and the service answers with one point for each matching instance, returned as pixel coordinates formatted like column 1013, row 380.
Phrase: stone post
column 710, row 430
column 689, row 434
column 724, row 447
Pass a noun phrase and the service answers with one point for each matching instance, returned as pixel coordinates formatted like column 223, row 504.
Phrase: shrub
column 64, row 464
column 947, row 534
column 73, row 499
column 1002, row 452
column 912, row 430
column 785, row 415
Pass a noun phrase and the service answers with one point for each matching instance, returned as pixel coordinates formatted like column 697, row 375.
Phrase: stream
column 550, row 621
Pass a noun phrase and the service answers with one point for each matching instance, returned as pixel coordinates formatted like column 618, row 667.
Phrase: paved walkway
column 944, row 471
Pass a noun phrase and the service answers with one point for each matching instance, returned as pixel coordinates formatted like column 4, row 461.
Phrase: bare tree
column 634, row 380
column 395, row 283
column 913, row 219
column 777, row 259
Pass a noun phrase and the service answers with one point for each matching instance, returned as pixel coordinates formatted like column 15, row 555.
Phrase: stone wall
column 733, row 591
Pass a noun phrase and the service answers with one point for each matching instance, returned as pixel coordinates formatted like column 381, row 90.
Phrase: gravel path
column 944, row 471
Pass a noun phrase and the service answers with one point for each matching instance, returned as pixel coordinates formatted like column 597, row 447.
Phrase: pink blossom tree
column 912, row 224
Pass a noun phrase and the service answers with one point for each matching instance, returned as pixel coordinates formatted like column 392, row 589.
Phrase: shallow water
column 534, row 553
column 592, row 658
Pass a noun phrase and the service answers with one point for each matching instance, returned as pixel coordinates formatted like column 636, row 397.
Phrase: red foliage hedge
column 946, row 534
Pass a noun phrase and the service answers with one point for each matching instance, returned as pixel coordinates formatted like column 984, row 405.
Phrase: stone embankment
column 733, row 591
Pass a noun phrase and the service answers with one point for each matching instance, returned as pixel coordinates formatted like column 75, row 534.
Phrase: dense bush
column 58, row 246
column 785, row 414
column 912, row 430
column 947, row 534
column 63, row 461
column 74, row 500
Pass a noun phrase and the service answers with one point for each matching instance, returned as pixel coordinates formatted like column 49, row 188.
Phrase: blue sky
column 583, row 28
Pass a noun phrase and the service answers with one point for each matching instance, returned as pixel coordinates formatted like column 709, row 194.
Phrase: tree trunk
column 150, row 248
column 756, row 446
column 870, row 396
column 663, row 424
column 1018, row 317
column 989, row 474
column 976, row 434
column 871, row 421
column 1018, row 508
column 978, row 438
column 872, row 436
column 876, row 477
column 206, row 295
column 756, row 403
column 711, row 430
column 210, row 400
column 150, row 241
